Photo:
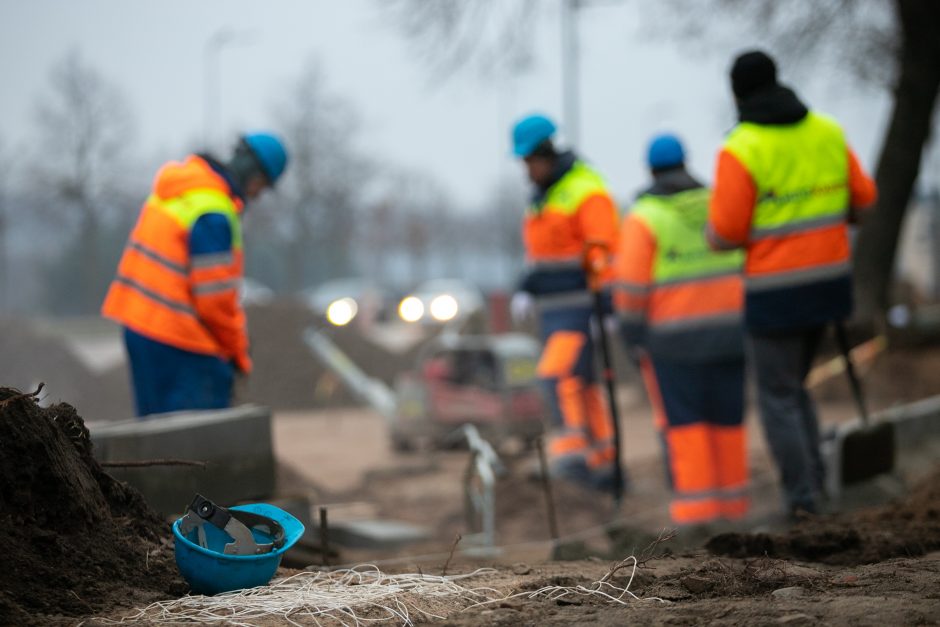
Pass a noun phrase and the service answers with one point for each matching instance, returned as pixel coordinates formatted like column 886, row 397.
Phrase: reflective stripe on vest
column 684, row 265
column 801, row 176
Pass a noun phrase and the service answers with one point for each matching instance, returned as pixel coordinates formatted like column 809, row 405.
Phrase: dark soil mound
column 907, row 527
column 75, row 541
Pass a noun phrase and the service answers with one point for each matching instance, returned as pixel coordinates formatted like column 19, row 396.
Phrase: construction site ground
column 876, row 563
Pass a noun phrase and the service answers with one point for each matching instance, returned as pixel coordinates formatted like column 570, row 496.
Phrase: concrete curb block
column 235, row 442
column 916, row 427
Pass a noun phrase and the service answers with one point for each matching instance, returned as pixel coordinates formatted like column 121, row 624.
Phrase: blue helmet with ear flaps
column 220, row 550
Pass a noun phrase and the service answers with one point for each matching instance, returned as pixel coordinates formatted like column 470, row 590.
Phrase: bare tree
column 83, row 125
column 5, row 257
column 322, row 188
column 502, row 216
column 488, row 36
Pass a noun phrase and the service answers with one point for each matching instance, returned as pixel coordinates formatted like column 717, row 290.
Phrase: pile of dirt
column 75, row 541
column 907, row 527
column 31, row 356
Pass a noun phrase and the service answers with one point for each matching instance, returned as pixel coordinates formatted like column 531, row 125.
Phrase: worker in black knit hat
column 787, row 184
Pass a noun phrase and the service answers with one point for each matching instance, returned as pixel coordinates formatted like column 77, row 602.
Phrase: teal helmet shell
column 270, row 152
column 210, row 571
column 529, row 132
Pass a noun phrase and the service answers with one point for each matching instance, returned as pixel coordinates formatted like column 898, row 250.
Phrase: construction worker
column 569, row 234
column 176, row 292
column 680, row 309
column 787, row 184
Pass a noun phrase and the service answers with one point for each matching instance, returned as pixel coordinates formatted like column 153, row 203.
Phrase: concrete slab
column 235, row 442
column 916, row 440
column 375, row 534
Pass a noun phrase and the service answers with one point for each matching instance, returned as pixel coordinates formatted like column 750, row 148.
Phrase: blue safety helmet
column 270, row 152
column 665, row 151
column 529, row 132
column 220, row 550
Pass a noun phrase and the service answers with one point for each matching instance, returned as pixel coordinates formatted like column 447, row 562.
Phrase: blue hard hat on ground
column 665, row 151
column 270, row 152
column 529, row 132
column 215, row 554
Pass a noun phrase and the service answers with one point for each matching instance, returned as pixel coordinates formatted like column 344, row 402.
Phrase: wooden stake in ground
column 324, row 537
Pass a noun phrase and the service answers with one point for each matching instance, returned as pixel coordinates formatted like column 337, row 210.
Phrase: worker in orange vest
column 569, row 233
column 680, row 309
column 786, row 187
column 176, row 292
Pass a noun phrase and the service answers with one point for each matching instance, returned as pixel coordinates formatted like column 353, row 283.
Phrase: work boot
column 603, row 480
column 571, row 468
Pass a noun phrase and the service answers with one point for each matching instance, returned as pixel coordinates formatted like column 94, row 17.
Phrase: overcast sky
column 633, row 82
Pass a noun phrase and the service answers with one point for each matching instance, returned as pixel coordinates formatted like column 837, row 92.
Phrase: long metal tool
column 869, row 450
column 609, row 384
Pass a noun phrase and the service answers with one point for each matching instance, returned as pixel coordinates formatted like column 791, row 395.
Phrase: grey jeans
column 781, row 362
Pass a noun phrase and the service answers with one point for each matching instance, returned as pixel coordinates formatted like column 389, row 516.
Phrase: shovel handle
column 609, row 385
column 854, row 382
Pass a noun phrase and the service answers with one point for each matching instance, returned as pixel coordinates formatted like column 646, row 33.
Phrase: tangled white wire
column 358, row 596
column 601, row 588
column 352, row 596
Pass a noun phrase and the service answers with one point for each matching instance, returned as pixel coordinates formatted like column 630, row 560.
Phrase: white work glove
column 521, row 306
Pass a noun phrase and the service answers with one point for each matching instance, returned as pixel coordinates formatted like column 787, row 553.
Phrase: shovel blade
column 867, row 452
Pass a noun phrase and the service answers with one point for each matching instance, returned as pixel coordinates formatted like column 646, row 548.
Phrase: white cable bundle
column 348, row 597
column 602, row 588
column 361, row 595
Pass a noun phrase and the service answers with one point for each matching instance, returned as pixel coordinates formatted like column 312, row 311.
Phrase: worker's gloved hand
column 242, row 364
column 521, row 307
column 596, row 263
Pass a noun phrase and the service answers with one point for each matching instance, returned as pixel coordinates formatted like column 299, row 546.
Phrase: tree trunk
column 899, row 162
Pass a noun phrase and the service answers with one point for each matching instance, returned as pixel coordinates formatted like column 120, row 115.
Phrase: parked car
column 343, row 300
column 439, row 301
column 254, row 292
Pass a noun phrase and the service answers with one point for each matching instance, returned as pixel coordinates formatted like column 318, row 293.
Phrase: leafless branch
column 489, row 37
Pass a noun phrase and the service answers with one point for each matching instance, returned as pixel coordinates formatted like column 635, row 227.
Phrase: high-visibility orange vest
column 160, row 290
column 577, row 217
column 688, row 298
column 798, row 266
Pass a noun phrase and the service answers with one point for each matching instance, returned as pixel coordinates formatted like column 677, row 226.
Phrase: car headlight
column 444, row 308
column 342, row 311
column 411, row 309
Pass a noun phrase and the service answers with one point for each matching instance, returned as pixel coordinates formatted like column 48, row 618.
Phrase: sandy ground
column 342, row 459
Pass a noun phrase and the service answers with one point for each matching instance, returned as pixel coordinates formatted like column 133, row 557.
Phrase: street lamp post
column 212, row 105
column 571, row 64
column 570, row 80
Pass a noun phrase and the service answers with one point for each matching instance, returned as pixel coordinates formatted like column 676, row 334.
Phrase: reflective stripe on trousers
column 702, row 408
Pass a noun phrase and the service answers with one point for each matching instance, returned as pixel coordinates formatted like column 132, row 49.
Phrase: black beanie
column 752, row 72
